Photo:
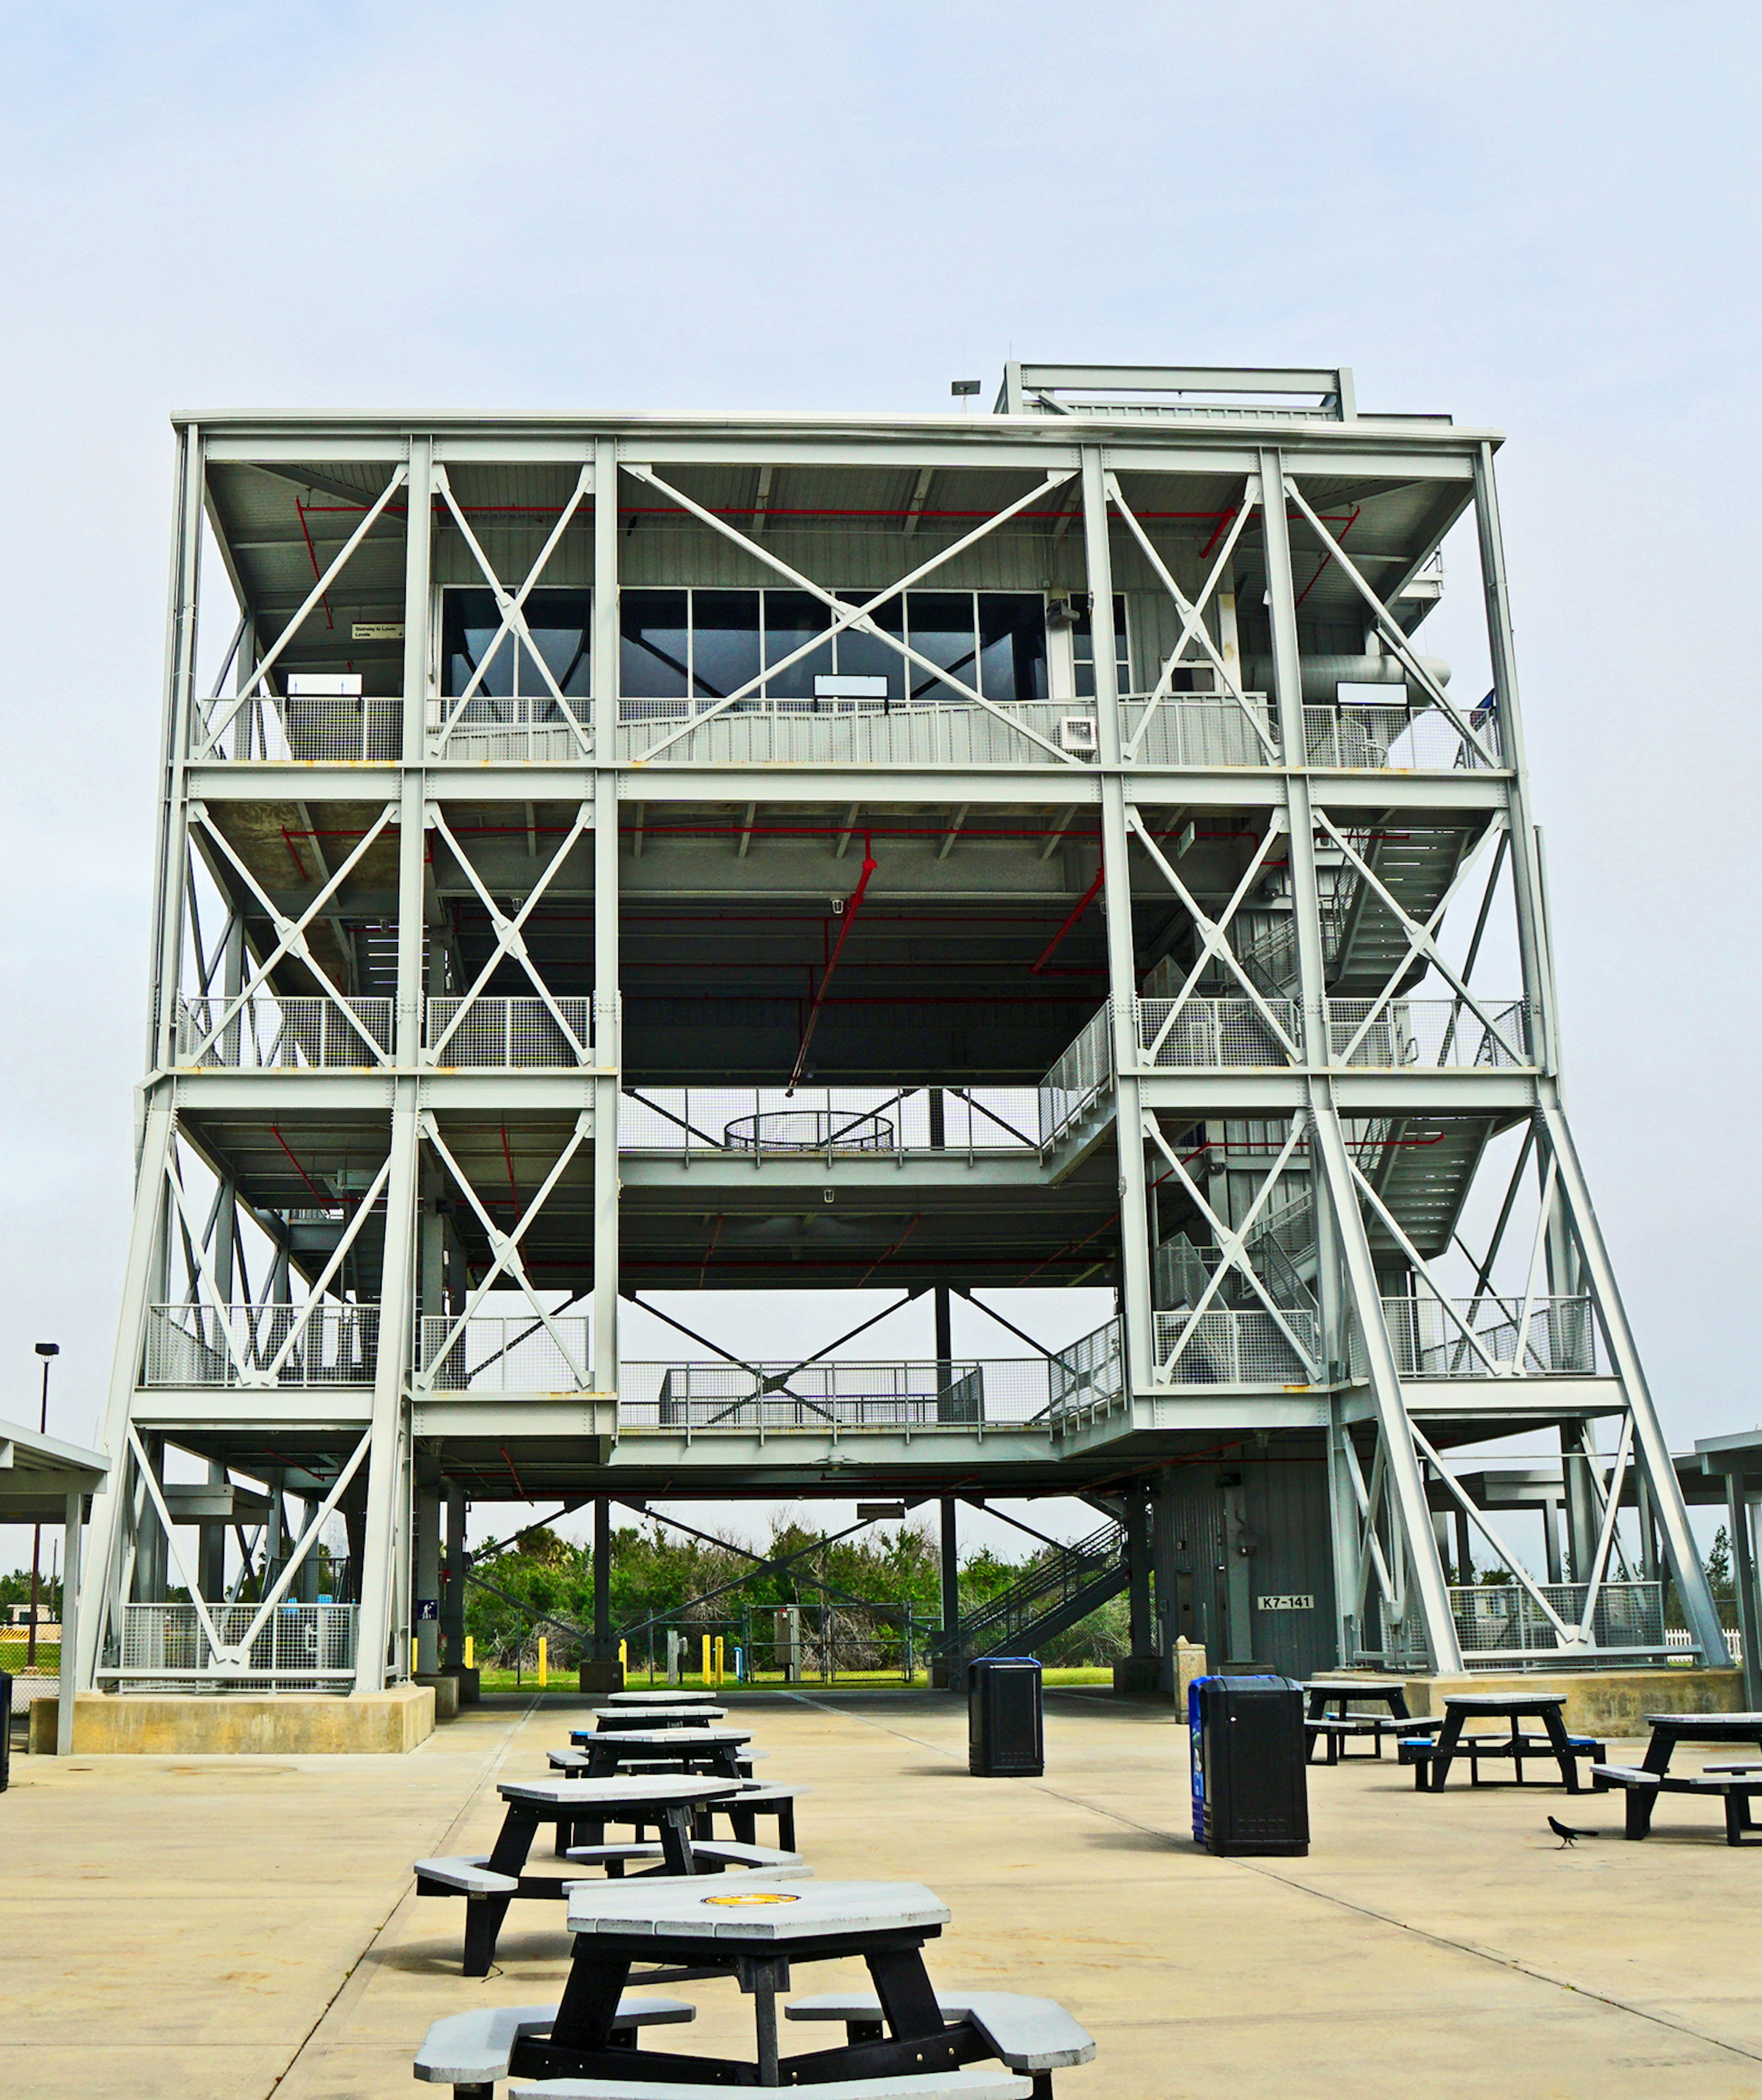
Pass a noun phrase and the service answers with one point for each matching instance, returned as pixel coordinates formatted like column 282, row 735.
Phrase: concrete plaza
column 223, row 1929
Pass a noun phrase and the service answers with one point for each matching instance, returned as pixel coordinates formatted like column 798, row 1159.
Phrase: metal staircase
column 1054, row 1594
column 1416, row 868
column 1423, row 1169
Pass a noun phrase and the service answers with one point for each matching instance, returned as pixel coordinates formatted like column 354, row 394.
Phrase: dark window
column 1012, row 646
column 867, row 655
column 651, row 645
column 792, row 618
column 1083, row 651
column 724, row 642
column 940, row 626
column 561, row 625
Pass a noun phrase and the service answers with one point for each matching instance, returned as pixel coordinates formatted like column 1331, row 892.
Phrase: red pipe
column 1083, row 905
column 853, row 905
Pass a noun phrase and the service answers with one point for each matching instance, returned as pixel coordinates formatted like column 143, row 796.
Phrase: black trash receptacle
column 1250, row 1779
column 1004, row 1739
column 5, row 1731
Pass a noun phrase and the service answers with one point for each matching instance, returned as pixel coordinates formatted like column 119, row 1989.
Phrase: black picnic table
column 1668, row 1730
column 675, row 1806
column 715, row 1750
column 759, row 1935
column 612, row 1718
column 1320, row 1725
column 1432, row 1766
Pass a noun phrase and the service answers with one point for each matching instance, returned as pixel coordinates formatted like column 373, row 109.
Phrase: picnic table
column 1432, row 1759
column 490, row 1881
column 658, row 1717
column 1336, row 1729
column 902, row 2032
column 694, row 1749
column 671, row 1695
column 1735, row 1785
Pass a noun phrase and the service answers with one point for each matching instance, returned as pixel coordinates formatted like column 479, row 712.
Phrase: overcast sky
column 1538, row 218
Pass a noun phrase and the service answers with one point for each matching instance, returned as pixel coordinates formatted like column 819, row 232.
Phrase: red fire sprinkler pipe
column 853, row 905
column 1083, row 903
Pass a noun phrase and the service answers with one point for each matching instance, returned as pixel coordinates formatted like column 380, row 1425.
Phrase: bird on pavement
column 1567, row 1835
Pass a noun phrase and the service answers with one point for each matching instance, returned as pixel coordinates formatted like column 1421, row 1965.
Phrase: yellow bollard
column 718, row 1658
column 544, row 1665
column 624, row 1658
column 470, row 1652
column 706, row 1658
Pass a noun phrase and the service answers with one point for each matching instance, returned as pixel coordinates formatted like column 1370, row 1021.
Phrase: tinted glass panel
column 865, row 655
column 651, row 645
column 724, row 642
column 1012, row 646
column 792, row 618
column 940, row 623
column 1083, row 652
column 559, row 621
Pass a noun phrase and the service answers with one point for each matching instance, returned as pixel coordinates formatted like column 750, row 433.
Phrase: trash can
column 1004, row 1739
column 1250, row 1780
column 5, row 1731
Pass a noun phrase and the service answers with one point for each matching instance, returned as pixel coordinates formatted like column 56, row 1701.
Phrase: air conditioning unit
column 1076, row 735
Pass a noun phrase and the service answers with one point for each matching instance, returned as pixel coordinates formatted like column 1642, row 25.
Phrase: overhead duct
column 1323, row 674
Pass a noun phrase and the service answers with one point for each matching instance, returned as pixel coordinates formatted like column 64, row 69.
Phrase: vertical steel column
column 1738, row 1533
column 1327, row 1146
column 384, row 1543
column 428, row 1576
column 106, row 1555
column 70, row 1622
column 452, row 1607
column 950, row 1560
column 172, row 848
column 1142, row 1618
column 608, row 1045
column 604, row 1650
column 1122, row 958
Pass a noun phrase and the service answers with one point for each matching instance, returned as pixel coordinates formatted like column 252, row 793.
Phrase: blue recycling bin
column 1251, row 1791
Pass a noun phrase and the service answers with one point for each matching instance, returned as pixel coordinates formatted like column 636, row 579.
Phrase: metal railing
column 527, row 728
column 1236, row 1347
column 235, row 1345
column 1500, row 1623
column 1058, row 1580
column 836, row 1398
column 755, row 1123
column 1394, row 739
column 504, row 1352
column 1090, row 1379
column 507, row 1034
column 272, row 1033
column 304, row 730
column 1198, row 729
column 1414, row 1033
column 784, row 732
column 1560, row 1337
column 299, row 1648
column 1080, row 1078
column 1215, row 1034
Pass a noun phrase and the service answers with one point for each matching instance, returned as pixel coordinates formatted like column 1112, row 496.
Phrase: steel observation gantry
column 600, row 855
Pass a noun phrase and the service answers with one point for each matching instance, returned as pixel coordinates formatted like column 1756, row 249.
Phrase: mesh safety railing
column 1500, row 1622
column 1057, row 1579
column 851, row 732
column 757, row 1121
column 507, row 1034
column 1234, row 1347
column 303, row 728
column 1560, row 1337
column 1215, row 1033
column 1089, row 1378
column 528, row 729
column 1396, row 738
column 300, row 1647
column 235, row 1345
column 1080, row 1078
column 836, row 1398
column 1194, row 728
column 1416, row 1033
column 272, row 1033
column 504, row 1352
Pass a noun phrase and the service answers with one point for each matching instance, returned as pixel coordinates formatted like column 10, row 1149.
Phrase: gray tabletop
column 587, row 1794
column 739, row 1907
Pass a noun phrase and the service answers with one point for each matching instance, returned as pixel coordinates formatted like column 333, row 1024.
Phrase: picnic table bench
column 1735, row 1785
column 490, row 1882
column 1432, row 1757
column 906, row 2041
column 1334, row 1730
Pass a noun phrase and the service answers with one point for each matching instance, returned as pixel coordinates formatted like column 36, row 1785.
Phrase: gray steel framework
column 484, row 997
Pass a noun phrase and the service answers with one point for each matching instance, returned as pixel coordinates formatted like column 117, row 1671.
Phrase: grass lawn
column 563, row 1680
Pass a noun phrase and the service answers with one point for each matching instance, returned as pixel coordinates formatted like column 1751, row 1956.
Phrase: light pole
column 46, row 1351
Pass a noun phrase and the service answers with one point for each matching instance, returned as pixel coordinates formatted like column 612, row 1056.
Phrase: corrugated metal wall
column 1283, row 1504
